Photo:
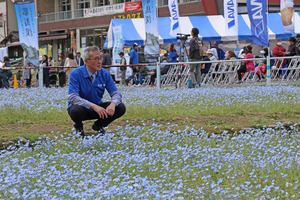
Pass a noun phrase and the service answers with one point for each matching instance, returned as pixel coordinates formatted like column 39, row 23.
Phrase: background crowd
column 57, row 74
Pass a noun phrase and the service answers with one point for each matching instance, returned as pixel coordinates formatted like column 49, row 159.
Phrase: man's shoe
column 99, row 129
column 79, row 131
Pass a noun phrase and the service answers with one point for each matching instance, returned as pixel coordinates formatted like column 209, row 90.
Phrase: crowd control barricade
column 224, row 72
column 221, row 72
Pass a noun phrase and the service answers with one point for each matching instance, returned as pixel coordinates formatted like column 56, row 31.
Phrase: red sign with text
column 133, row 6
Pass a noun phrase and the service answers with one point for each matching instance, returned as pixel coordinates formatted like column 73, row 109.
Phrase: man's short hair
column 86, row 52
column 121, row 53
column 78, row 53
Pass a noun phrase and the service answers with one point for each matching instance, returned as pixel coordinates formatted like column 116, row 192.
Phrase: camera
column 181, row 36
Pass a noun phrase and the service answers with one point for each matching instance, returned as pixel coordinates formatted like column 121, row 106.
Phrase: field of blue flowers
column 156, row 160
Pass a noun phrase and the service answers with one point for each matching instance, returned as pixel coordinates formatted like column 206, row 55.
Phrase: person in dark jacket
column 46, row 78
column 163, row 70
column 79, row 60
column 61, row 71
column 8, row 72
column 194, row 54
column 142, row 71
column 106, row 59
column 292, row 47
column 298, row 44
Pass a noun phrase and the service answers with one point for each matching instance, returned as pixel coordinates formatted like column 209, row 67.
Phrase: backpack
column 200, row 47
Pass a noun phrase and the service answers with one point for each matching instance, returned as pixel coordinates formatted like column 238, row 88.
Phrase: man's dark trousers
column 79, row 114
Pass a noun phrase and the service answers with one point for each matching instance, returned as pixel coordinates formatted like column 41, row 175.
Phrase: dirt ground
column 12, row 132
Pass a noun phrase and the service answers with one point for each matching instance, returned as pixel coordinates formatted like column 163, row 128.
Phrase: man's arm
column 75, row 99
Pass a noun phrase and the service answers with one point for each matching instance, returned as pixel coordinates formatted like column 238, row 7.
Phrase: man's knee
column 121, row 109
column 76, row 111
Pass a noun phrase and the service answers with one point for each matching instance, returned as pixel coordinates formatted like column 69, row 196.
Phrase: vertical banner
column 287, row 13
column 73, row 41
column 258, row 18
column 174, row 12
column 27, row 26
column 231, row 17
column 151, row 29
column 118, row 41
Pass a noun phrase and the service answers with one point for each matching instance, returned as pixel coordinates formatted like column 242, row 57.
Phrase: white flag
column 174, row 12
column 231, row 17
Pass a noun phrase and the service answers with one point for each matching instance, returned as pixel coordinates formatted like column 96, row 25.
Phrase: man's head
column 78, row 54
column 292, row 40
column 298, row 37
column 92, row 58
column 121, row 54
column 104, row 51
column 195, row 32
column 135, row 46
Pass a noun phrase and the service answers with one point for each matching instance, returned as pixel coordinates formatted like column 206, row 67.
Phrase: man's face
column 95, row 61
column 136, row 47
column 78, row 55
column 297, row 38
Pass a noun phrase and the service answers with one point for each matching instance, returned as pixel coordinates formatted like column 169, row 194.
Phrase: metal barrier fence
column 224, row 72
column 221, row 72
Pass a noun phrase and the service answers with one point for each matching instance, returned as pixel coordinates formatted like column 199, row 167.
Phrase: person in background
column 50, row 62
column 248, row 65
column 27, row 72
column 142, row 71
column 61, row 71
column 194, row 54
column 123, row 69
column 163, row 70
column 279, row 51
column 209, row 57
column 46, row 78
column 134, row 59
column 79, row 60
column 292, row 47
column 218, row 53
column 298, row 44
column 173, row 54
column 86, row 89
column 106, row 59
column 8, row 72
column 70, row 62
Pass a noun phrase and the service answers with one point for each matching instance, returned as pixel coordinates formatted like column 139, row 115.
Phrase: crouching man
column 87, row 85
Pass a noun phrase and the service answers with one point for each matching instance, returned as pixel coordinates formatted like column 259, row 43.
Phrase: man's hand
column 110, row 110
column 101, row 111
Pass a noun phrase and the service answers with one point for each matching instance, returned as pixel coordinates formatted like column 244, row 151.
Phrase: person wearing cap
column 87, row 86
column 123, row 69
column 209, row 57
column 298, row 44
column 248, row 65
column 194, row 54
column 79, row 60
column 134, row 59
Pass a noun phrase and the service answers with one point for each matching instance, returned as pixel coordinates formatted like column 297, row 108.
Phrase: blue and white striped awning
column 211, row 28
